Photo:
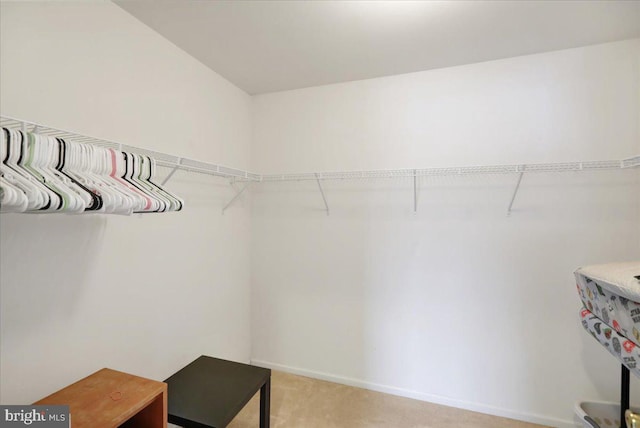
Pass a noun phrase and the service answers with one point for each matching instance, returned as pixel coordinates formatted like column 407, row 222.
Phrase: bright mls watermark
column 35, row 416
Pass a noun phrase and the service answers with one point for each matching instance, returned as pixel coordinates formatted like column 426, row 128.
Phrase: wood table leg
column 265, row 403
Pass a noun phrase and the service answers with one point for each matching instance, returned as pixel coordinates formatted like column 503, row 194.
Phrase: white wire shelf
column 179, row 163
column 453, row 171
column 162, row 159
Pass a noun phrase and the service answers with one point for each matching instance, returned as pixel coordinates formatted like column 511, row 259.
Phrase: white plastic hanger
column 39, row 173
column 38, row 194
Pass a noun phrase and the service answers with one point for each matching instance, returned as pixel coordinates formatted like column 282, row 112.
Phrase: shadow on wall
column 45, row 261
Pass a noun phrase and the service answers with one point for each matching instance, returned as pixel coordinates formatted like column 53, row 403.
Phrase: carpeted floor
column 300, row 402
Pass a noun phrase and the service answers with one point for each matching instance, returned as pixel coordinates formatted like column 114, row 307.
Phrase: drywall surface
column 144, row 294
column 457, row 303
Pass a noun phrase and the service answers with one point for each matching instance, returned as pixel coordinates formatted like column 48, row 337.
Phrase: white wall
column 147, row 293
column 457, row 304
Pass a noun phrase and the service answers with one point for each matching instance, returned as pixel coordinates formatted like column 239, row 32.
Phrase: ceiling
column 267, row 46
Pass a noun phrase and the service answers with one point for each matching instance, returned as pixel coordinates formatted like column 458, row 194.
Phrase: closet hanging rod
column 162, row 159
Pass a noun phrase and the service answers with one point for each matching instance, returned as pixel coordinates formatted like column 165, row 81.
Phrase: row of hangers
column 44, row 174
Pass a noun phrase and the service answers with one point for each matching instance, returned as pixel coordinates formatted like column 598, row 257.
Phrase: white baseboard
column 431, row 398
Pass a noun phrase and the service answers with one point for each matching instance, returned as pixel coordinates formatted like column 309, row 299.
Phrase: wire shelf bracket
column 326, row 205
column 515, row 192
column 173, row 171
column 238, row 194
column 415, row 192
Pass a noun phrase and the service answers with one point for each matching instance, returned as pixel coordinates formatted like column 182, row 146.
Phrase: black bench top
column 209, row 392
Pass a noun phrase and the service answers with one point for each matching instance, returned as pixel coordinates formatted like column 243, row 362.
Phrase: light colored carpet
column 300, row 402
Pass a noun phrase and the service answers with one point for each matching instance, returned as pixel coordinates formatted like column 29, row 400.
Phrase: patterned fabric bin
column 616, row 311
column 619, row 346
